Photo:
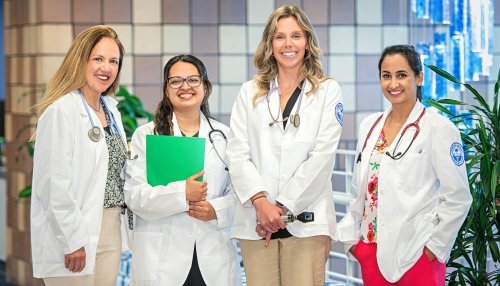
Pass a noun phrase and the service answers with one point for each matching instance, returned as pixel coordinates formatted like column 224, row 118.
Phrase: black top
column 291, row 102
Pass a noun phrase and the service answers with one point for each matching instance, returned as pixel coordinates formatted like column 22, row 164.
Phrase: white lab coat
column 423, row 197
column 165, row 236
column 69, row 179
column 293, row 166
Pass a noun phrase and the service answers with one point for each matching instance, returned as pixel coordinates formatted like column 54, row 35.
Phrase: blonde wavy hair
column 265, row 62
column 71, row 74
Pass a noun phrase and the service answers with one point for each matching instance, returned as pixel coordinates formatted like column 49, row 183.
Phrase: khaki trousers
column 290, row 261
column 107, row 256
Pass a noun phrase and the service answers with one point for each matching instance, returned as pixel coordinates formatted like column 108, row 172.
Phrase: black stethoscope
column 214, row 133
column 95, row 133
column 398, row 155
column 294, row 118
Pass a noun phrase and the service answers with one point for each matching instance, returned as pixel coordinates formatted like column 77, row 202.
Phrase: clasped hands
column 196, row 195
column 268, row 218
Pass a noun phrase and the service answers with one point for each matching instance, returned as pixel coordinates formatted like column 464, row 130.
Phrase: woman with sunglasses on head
column 285, row 128
column 80, row 151
column 181, row 235
column 410, row 183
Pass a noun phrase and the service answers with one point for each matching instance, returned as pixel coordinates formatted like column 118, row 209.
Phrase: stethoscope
column 294, row 118
column 398, row 155
column 213, row 134
column 95, row 133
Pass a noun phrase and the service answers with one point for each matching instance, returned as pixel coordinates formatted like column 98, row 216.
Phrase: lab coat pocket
column 146, row 255
column 412, row 170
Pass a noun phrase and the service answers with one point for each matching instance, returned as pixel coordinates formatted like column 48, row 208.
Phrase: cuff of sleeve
column 442, row 257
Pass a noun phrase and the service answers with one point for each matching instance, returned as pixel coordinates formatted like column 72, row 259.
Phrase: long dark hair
column 165, row 110
column 411, row 55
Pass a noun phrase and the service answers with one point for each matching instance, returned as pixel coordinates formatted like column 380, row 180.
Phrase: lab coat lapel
column 204, row 131
column 370, row 144
column 408, row 136
column 85, row 116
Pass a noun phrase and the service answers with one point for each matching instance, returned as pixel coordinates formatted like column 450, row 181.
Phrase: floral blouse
column 113, row 193
column 369, row 222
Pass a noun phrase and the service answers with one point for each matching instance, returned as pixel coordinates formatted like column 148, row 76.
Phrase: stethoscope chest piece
column 95, row 134
column 295, row 120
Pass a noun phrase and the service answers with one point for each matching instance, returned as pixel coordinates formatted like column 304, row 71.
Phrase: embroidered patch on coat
column 339, row 113
column 457, row 153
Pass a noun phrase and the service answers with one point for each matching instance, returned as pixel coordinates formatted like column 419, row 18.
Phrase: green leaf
column 24, row 193
column 450, row 101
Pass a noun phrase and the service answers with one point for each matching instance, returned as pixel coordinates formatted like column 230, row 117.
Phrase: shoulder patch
column 457, row 153
column 339, row 113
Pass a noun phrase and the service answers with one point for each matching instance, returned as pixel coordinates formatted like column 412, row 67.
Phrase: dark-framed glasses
column 177, row 81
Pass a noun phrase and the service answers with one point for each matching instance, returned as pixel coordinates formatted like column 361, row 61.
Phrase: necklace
column 189, row 131
column 98, row 109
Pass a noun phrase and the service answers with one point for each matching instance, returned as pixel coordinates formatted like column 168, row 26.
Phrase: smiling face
column 102, row 67
column 398, row 81
column 289, row 44
column 186, row 97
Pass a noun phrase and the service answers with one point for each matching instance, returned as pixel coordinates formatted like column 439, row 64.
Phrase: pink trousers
column 423, row 273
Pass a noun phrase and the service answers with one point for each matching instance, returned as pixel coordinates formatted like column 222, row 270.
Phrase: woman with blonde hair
column 80, row 152
column 285, row 128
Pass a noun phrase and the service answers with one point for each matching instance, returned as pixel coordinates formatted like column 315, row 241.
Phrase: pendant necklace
column 94, row 132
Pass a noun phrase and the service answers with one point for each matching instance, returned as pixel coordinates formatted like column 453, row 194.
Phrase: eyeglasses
column 177, row 81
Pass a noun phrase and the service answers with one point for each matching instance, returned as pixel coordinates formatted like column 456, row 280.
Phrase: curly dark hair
column 165, row 110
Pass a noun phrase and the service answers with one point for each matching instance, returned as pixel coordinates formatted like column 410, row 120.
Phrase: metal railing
column 343, row 169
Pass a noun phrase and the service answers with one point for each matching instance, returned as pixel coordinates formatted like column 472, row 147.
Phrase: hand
column 269, row 218
column 202, row 210
column 75, row 262
column 351, row 250
column 429, row 253
column 196, row 191
column 263, row 233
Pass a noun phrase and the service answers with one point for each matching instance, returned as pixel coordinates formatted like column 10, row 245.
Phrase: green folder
column 173, row 158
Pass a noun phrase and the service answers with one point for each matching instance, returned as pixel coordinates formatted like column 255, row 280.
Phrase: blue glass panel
column 457, row 60
column 424, row 50
column 440, row 62
column 422, row 9
column 440, row 11
column 459, row 16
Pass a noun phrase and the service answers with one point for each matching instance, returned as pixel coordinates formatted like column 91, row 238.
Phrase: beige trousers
column 290, row 261
column 107, row 256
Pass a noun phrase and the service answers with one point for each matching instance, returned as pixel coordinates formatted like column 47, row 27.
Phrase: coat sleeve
column 453, row 192
column 348, row 228
column 244, row 174
column 224, row 206
column 146, row 201
column 301, row 190
column 53, row 176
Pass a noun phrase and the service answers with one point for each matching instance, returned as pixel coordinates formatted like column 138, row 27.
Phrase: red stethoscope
column 398, row 155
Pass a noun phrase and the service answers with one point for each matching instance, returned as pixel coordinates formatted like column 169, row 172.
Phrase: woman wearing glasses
column 410, row 183
column 285, row 128
column 181, row 234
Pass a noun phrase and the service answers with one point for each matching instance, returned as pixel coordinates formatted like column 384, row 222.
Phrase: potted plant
column 131, row 109
column 479, row 238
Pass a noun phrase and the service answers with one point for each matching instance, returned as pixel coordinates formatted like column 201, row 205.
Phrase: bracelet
column 257, row 197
